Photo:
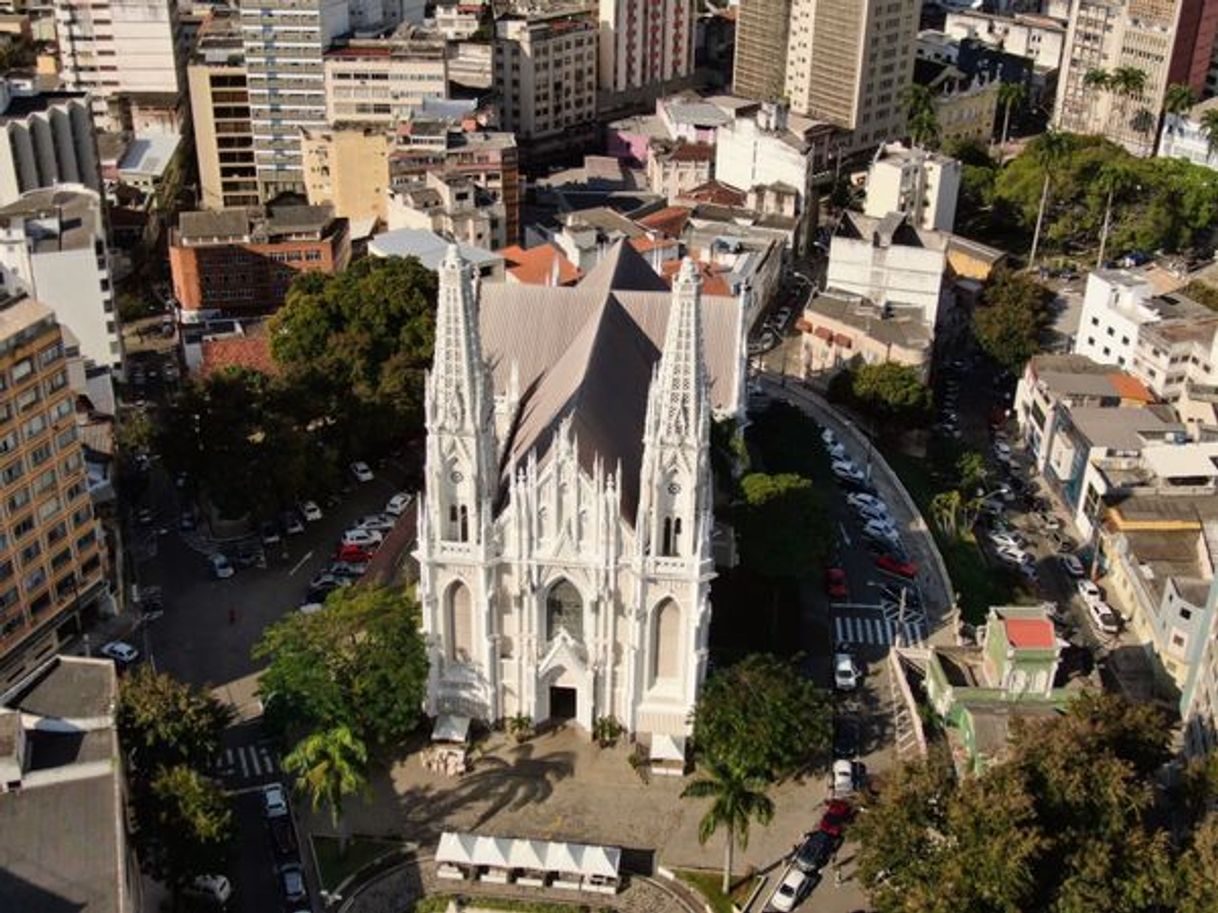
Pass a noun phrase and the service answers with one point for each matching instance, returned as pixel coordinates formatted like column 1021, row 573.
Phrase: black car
column 269, row 533
column 815, row 852
column 283, row 835
column 845, row 737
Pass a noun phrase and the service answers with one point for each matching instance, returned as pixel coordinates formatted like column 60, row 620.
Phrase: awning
column 572, row 859
column 456, row 849
column 602, row 860
column 450, row 728
column 668, row 748
column 492, row 851
column 528, row 854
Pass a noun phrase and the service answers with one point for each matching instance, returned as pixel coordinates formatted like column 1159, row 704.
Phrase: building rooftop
column 540, row 265
column 20, row 313
column 1128, row 429
column 893, row 229
column 67, row 688
column 253, row 224
column 25, row 104
column 1029, row 633
column 670, row 221
column 427, row 246
column 901, row 327
column 149, row 155
column 697, row 113
column 1193, row 460
column 1078, row 375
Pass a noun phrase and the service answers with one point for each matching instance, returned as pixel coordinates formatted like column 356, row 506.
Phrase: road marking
column 299, row 564
column 241, row 758
column 228, row 758
column 267, row 759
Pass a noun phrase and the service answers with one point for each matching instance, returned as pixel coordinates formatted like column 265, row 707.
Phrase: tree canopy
column 784, row 529
column 360, row 663
column 162, row 722
column 762, row 718
column 1063, row 825
column 891, row 391
column 1014, row 311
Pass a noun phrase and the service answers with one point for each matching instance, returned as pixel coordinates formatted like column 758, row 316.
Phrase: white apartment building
column 925, row 185
column 1199, row 696
column 458, row 21
column 1039, row 38
column 1183, row 138
column 450, row 205
column 46, row 138
column 643, row 42
column 384, row 81
column 1116, row 305
column 848, row 62
column 53, row 248
column 116, row 47
column 545, row 71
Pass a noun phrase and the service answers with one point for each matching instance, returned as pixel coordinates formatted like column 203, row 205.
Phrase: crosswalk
column 246, row 762
column 877, row 630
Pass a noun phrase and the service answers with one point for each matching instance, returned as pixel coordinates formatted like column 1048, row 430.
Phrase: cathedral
column 564, row 536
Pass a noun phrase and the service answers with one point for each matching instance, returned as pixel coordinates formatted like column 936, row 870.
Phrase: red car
column 352, row 553
column 837, row 815
column 891, row 565
column 835, row 583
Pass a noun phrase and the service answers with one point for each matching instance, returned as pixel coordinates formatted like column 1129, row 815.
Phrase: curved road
column 933, row 580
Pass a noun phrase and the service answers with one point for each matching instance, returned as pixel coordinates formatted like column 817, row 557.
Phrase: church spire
column 681, row 395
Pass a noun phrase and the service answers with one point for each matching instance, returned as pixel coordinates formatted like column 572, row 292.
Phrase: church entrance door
column 562, row 703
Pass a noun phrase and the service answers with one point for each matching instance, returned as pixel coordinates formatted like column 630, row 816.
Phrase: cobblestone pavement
column 397, row 889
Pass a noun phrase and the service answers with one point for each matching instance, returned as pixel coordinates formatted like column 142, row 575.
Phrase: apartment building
column 452, row 206
column 1171, row 41
column 384, row 81
column 848, row 61
column 966, row 107
column 922, row 184
column 1039, row 38
column 46, row 138
column 759, row 69
column 119, row 48
column 1184, row 137
column 241, row 261
column 545, row 73
column 220, row 111
column 458, row 21
column 1199, row 696
column 51, row 550
column 644, row 42
column 53, row 248
column 347, row 168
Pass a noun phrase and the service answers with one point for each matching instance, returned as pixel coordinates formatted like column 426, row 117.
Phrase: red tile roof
column 716, row 192
column 692, row 152
column 1130, row 388
column 237, row 352
column 1035, row 633
column 645, row 245
column 670, row 221
column 713, row 282
column 535, row 265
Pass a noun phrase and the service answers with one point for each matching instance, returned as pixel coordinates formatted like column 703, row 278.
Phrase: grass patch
column 438, row 903
column 709, row 885
column 334, row 869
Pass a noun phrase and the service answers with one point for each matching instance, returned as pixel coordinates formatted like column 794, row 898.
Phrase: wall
column 70, row 282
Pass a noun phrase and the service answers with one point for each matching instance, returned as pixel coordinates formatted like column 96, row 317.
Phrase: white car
column 786, row 896
column 396, row 506
column 310, row 511
column 213, row 888
column 1089, row 592
column 1014, row 554
column 878, row 513
column 122, row 653
column 362, row 537
column 845, row 672
column 843, row 778
column 876, row 529
column 361, row 471
column 310, row 608
column 1002, row 451
column 855, row 499
column 1073, row 566
column 381, row 523
column 1006, row 540
column 828, row 437
column 1105, row 619
column 274, row 800
column 838, row 453
column 220, row 566
column 844, row 469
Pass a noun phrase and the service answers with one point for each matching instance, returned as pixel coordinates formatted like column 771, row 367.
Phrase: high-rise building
column 760, row 68
column 347, row 166
column 643, row 42
column 848, row 61
column 45, row 138
column 220, row 110
column 51, row 549
column 384, row 81
column 923, row 185
column 53, row 248
column 545, row 71
column 1169, row 41
column 117, row 48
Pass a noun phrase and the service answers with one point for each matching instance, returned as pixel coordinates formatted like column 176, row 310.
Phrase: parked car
column 815, row 852
column 1089, row 592
column 213, row 889
column 845, row 469
column 361, row 472
column 268, row 533
column 1072, row 565
column 791, row 891
column 876, row 528
column 310, row 608
column 845, row 672
column 365, row 538
column 274, row 800
column 396, row 506
column 187, row 521
column 121, row 652
column 835, row 583
column 283, row 836
column 292, row 883
column 382, row 523
column 880, row 514
column 891, row 565
column 837, row 815
column 353, row 553
column 1106, row 620
column 349, row 569
column 220, row 566
column 310, row 511
column 859, row 499
column 842, row 782
column 291, row 523
column 845, row 737
column 828, row 437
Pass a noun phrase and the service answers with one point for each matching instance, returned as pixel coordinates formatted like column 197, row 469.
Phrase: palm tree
column 329, row 766
column 945, row 508
column 1097, row 78
column 921, row 118
column 1048, row 150
column 1209, row 128
column 737, row 799
column 1177, row 99
column 1114, row 177
column 1010, row 94
column 1128, row 83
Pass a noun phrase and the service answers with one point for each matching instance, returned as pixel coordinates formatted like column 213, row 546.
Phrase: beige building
column 924, row 185
column 644, row 42
column 52, row 558
column 841, row 330
column 220, row 111
column 545, row 71
column 848, row 62
column 452, row 206
column 674, row 169
column 762, row 30
column 384, row 81
column 347, row 166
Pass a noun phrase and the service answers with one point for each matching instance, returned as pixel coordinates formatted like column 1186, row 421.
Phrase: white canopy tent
column 450, row 728
column 571, row 865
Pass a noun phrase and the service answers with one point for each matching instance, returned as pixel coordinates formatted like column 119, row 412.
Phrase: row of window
column 30, row 429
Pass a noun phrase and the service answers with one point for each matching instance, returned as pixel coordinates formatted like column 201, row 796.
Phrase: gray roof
column 908, row 330
column 1123, row 429
column 427, row 246
column 216, row 223
column 587, row 353
column 68, row 688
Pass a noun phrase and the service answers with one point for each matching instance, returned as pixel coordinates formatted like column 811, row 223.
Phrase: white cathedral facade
column 564, row 537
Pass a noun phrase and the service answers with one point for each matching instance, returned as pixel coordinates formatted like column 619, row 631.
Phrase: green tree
column 945, row 510
column 1209, row 128
column 1196, row 887
column 360, row 662
column 135, row 432
column 1178, row 98
column 737, row 799
column 1114, row 178
column 1010, row 95
column 329, row 766
column 921, row 117
column 163, row 722
column 783, row 527
column 763, row 717
column 892, row 392
column 1008, row 324
column 1048, row 150
column 182, row 826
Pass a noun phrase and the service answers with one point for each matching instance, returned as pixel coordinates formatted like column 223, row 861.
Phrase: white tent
column 602, row 860
column 450, row 728
column 493, row 852
column 456, row 849
column 564, row 857
column 573, row 865
column 667, row 748
column 528, row 854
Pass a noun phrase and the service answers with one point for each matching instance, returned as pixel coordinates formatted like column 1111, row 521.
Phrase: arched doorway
column 666, row 642
column 459, row 623
column 564, row 611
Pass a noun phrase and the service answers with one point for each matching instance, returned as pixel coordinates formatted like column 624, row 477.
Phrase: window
column 48, row 509
column 18, row 499
column 35, row 426
column 27, row 399
column 83, row 543
column 12, row 472
column 34, row 579
column 22, row 370
column 44, row 481
column 61, row 558
column 30, row 552
column 57, row 532
column 23, row 527
column 41, row 454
